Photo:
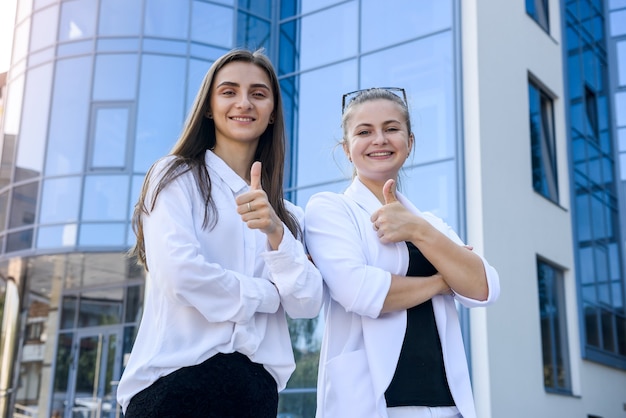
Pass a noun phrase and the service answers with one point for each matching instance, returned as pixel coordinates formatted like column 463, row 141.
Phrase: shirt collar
column 223, row 171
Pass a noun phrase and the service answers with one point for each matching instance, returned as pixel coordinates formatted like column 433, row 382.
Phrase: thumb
column 255, row 176
column 389, row 191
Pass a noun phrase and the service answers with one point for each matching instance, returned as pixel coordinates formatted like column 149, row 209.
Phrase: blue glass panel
column 319, row 46
column 159, row 121
column 289, row 8
column 414, row 20
column 118, row 45
column 583, row 217
column 119, row 17
column 4, row 200
column 620, row 109
column 617, row 4
column 135, row 191
column 41, row 3
column 433, row 188
column 289, row 55
column 70, row 113
column 205, row 51
column 162, row 46
column 303, row 195
column 74, row 48
column 617, row 25
column 196, row 73
column 319, row 157
column 102, row 235
column 574, row 68
column 115, row 77
column 212, row 24
column 41, row 57
column 57, row 236
column 620, row 49
column 78, row 19
column 261, row 8
column 166, row 18
column 32, row 139
column 105, row 198
column 44, row 28
column 252, row 32
column 310, row 5
column 20, row 41
column 60, row 200
column 23, row 205
column 429, row 83
column 110, row 137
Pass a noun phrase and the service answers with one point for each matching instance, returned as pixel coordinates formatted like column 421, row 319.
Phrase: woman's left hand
column 256, row 210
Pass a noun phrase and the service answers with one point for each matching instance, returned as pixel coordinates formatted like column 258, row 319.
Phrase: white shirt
column 361, row 346
column 216, row 291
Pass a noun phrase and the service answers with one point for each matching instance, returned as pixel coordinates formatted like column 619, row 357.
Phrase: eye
column 260, row 94
column 227, row 92
column 393, row 129
column 362, row 132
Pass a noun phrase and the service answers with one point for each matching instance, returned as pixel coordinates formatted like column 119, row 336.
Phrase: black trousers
column 224, row 386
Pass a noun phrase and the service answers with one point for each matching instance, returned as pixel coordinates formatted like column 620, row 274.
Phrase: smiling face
column 241, row 104
column 377, row 141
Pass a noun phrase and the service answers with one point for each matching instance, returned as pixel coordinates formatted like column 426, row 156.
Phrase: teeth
column 242, row 119
column 379, row 154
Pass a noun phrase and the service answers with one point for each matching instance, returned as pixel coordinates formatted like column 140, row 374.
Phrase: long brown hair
column 198, row 136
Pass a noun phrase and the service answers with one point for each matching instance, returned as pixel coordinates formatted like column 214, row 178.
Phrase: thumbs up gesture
column 392, row 221
column 256, row 210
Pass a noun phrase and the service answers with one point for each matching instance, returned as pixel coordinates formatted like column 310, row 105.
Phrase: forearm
column 462, row 270
column 406, row 292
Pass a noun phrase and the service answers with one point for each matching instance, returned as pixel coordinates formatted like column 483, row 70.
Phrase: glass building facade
column 99, row 89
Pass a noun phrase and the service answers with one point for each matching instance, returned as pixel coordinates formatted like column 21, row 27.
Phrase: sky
column 7, row 19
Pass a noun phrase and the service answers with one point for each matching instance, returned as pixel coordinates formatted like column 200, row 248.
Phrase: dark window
column 543, row 152
column 538, row 10
column 556, row 368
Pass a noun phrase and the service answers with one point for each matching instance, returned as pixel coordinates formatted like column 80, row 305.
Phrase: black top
column 420, row 378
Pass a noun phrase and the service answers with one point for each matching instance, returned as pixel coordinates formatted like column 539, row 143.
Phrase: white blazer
column 361, row 346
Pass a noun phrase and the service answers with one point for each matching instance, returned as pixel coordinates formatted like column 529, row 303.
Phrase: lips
column 242, row 118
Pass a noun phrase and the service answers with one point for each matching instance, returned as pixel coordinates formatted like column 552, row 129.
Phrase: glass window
column 618, row 28
column 102, row 235
column 212, row 24
column 44, row 28
column 117, row 45
column 165, row 46
column 21, row 240
column 23, row 205
column 32, row 141
column 110, row 137
column 119, row 17
column 320, row 158
column 252, row 32
column 620, row 109
column 319, row 46
column 70, row 113
column 543, row 149
column 13, row 107
column 57, row 236
column 20, row 40
column 105, row 198
column 115, row 77
column 78, row 19
column 159, row 121
column 310, row 5
column 429, row 82
column 195, row 75
column 100, row 307
column 539, row 11
column 166, row 18
column 4, row 200
column 60, row 200
column 75, row 48
column 261, row 8
column 556, row 367
column 413, row 21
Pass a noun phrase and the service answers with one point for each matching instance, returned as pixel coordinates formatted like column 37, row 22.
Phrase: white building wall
column 512, row 224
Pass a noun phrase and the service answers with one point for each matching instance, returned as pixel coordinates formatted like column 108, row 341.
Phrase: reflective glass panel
column 44, row 28
column 159, row 121
column 166, row 18
column 310, row 5
column 320, row 158
column 100, row 307
column 134, row 303
column 78, row 19
column 318, row 45
column 60, row 200
column 197, row 71
column 428, row 78
column 252, row 32
column 4, row 199
column 68, row 121
column 212, row 24
column 105, row 198
column 57, row 236
column 110, row 137
column 20, row 41
column 410, row 20
column 102, row 235
column 31, row 145
column 115, row 77
column 13, row 109
column 104, row 269
column 119, row 17
column 21, row 240
column 258, row 7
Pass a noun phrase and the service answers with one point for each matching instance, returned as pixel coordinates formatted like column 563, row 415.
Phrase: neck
column 238, row 157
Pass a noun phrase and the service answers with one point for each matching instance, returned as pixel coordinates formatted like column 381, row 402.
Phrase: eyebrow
column 233, row 84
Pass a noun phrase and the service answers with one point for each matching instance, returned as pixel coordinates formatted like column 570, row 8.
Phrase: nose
column 244, row 102
column 379, row 137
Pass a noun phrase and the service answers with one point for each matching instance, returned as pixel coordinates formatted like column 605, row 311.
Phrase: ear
column 411, row 142
column 271, row 121
column 346, row 149
column 208, row 114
